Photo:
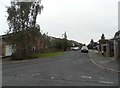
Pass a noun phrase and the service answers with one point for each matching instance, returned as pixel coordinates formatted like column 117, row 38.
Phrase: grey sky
column 81, row 19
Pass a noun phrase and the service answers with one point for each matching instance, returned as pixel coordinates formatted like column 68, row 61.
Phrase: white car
column 84, row 49
column 75, row 48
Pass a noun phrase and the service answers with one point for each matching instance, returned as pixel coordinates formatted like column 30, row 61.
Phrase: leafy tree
column 58, row 44
column 91, row 44
column 103, row 37
column 102, row 40
column 64, row 42
column 22, row 25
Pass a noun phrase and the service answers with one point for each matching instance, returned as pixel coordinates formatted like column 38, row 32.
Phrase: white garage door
column 8, row 50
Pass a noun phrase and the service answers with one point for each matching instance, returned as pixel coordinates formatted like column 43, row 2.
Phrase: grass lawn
column 41, row 55
column 51, row 54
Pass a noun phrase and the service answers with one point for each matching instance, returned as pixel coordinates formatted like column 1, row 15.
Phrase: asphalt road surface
column 71, row 69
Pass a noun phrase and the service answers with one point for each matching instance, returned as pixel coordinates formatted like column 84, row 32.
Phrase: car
column 75, row 48
column 84, row 49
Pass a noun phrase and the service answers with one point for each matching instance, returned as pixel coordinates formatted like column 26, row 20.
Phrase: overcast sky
column 83, row 20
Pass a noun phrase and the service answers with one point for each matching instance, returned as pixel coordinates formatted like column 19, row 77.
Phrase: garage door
column 8, row 50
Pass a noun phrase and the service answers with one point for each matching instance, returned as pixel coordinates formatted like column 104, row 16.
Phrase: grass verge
column 42, row 55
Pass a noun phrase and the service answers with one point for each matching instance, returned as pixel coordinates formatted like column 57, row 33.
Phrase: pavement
column 107, row 63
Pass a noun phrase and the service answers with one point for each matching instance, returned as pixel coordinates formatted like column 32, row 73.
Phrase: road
column 71, row 69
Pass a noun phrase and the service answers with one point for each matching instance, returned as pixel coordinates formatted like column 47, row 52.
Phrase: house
column 0, row 46
column 111, row 47
column 116, row 41
column 7, row 48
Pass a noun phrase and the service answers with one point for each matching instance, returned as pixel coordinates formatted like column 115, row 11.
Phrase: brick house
column 7, row 49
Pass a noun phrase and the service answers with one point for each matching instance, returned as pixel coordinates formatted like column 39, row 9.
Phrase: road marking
column 69, row 76
column 37, row 74
column 104, row 62
column 88, row 77
column 101, row 78
column 52, row 77
column 19, row 75
column 105, row 82
column 102, row 66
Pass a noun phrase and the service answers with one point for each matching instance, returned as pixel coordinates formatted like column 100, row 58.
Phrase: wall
column 117, row 49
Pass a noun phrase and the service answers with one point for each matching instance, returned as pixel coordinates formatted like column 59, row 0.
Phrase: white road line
column 103, row 66
column 52, row 77
column 88, row 77
column 105, row 82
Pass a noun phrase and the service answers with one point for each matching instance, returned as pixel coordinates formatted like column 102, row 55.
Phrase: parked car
column 84, row 49
column 75, row 48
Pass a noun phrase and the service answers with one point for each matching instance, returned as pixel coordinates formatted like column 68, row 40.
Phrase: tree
column 22, row 25
column 58, row 44
column 65, row 43
column 91, row 45
column 103, row 37
column 102, row 40
column 91, row 42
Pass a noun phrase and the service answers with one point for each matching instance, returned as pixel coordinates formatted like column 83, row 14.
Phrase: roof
column 117, row 34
